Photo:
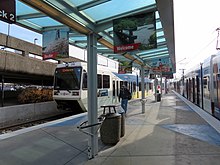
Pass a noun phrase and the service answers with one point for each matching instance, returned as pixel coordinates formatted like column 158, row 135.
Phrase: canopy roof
column 87, row 16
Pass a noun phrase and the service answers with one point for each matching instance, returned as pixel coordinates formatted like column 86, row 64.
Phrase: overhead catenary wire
column 199, row 52
column 189, row 61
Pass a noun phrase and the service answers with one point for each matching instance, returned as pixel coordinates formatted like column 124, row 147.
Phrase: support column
column 142, row 90
column 3, row 93
column 161, row 83
column 155, row 87
column 92, row 94
column 166, row 87
column 137, row 87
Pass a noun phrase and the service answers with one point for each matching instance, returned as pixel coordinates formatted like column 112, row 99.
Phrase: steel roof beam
column 57, row 15
column 91, row 4
column 69, row 10
column 152, row 51
column 165, row 9
column 29, row 25
column 30, row 16
column 156, row 56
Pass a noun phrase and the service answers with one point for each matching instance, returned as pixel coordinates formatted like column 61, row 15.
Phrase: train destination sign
column 8, row 11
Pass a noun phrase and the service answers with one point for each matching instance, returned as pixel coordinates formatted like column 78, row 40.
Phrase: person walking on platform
column 124, row 96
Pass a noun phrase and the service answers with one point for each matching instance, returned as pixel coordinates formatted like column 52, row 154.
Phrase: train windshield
column 67, row 78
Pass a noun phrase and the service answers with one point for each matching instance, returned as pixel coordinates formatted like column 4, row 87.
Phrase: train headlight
column 75, row 93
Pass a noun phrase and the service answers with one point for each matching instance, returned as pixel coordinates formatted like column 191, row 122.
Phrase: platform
column 170, row 132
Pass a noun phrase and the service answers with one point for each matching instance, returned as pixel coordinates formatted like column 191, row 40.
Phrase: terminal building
column 102, row 45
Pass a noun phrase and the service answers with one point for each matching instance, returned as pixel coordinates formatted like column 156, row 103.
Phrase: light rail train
column 70, row 86
column 202, row 85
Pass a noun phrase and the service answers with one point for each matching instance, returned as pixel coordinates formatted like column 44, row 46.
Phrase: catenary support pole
column 92, row 94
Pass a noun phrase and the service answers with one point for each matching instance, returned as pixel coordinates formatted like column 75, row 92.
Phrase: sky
column 19, row 32
column 195, row 24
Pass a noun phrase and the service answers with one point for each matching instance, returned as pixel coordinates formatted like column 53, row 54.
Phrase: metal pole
column 2, row 88
column 155, row 88
column 92, row 94
column 166, row 87
column 183, row 83
column 142, row 90
column 161, row 83
column 137, row 87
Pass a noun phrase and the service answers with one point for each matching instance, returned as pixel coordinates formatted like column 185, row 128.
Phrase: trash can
column 122, row 113
column 110, row 130
column 158, row 97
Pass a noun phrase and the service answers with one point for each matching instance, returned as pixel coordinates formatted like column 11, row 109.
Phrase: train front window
column 67, row 78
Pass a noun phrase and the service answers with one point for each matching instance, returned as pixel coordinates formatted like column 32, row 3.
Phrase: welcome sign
column 136, row 32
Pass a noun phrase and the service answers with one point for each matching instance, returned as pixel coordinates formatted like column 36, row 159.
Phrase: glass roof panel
column 159, row 34
column 161, row 40
column 117, row 7
column 158, row 25
column 45, row 21
column 22, row 9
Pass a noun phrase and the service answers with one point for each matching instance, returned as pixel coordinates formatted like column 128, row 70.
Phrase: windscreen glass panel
column 68, row 78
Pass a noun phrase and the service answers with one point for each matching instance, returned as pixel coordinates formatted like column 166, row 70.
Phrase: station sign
column 136, row 32
column 8, row 11
column 56, row 44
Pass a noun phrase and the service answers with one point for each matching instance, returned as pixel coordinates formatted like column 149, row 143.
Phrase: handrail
column 81, row 127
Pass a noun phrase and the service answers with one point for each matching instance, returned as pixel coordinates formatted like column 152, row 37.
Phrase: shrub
column 34, row 95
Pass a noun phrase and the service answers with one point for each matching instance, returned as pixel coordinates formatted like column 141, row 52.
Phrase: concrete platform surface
column 170, row 132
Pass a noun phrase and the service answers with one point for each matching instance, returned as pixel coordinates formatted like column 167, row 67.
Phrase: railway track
column 16, row 127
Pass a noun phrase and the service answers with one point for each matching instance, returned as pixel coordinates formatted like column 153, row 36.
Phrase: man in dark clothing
column 124, row 96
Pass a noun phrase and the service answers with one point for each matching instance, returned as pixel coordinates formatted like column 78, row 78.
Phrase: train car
column 202, row 85
column 70, row 86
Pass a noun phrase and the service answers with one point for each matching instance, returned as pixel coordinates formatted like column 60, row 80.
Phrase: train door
column 198, row 97
column 121, row 83
column 131, row 87
column 134, row 89
column 117, row 87
column 193, row 90
column 187, row 89
column 113, row 89
column 206, row 94
column 190, row 89
column 206, row 87
column 216, row 111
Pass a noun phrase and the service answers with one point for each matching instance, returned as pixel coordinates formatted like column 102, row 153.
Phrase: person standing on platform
column 124, row 96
